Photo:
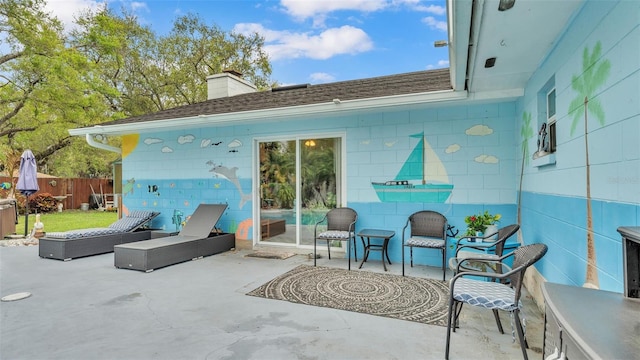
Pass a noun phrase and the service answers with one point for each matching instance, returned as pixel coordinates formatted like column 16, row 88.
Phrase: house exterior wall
column 480, row 147
column 554, row 201
column 178, row 170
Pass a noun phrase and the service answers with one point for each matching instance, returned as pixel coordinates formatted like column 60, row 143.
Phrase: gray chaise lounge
column 86, row 242
column 194, row 241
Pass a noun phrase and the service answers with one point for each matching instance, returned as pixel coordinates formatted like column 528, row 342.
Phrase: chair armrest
column 315, row 228
column 493, row 275
column 476, row 247
column 493, row 264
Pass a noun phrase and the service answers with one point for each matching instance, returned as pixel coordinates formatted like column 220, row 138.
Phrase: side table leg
column 386, row 250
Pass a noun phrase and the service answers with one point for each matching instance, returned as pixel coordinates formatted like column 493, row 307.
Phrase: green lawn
column 69, row 220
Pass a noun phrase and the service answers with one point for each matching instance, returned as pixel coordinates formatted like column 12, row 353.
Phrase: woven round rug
column 401, row 297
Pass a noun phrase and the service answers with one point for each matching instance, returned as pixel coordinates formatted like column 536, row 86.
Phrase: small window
column 551, row 105
column 551, row 121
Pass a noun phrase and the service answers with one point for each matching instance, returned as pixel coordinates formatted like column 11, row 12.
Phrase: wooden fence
column 76, row 190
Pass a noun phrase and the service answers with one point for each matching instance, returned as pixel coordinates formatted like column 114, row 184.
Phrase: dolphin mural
column 230, row 174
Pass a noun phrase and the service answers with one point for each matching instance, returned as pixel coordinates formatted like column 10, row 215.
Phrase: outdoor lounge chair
column 85, row 242
column 194, row 241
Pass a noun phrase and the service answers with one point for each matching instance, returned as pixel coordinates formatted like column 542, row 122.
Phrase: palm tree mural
column 595, row 72
column 526, row 132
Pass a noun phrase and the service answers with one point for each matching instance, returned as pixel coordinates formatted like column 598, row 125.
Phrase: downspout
column 91, row 141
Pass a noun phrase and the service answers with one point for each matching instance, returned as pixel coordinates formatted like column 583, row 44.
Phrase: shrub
column 43, row 203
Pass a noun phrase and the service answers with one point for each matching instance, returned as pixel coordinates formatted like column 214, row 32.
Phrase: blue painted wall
column 479, row 145
column 554, row 196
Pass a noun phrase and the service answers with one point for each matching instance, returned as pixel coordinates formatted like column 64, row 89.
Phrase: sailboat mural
column 422, row 178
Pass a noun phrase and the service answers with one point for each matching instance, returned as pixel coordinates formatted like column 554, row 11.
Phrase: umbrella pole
column 26, row 217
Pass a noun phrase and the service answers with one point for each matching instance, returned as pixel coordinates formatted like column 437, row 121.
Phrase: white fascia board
column 459, row 20
column 269, row 115
column 495, row 95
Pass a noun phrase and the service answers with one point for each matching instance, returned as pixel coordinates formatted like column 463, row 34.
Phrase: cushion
column 140, row 214
column 489, row 295
column 425, row 242
column 334, row 234
column 76, row 234
column 128, row 223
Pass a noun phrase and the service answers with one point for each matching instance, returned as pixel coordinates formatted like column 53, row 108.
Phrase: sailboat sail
column 423, row 165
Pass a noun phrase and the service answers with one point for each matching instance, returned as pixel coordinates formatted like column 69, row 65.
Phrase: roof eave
column 277, row 114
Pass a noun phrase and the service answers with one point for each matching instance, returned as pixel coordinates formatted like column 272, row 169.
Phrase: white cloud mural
column 235, row 143
column 186, row 139
column 167, row 149
column 204, row 143
column 150, row 141
column 452, row 148
column 486, row 159
column 479, row 130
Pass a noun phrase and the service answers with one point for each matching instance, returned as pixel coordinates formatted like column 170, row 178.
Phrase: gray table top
column 375, row 233
column 603, row 323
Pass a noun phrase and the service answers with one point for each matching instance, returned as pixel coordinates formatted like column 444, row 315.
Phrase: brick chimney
column 227, row 84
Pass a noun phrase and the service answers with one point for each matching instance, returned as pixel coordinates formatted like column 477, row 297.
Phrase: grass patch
column 69, row 220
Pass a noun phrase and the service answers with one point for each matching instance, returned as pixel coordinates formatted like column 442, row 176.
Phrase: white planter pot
column 490, row 230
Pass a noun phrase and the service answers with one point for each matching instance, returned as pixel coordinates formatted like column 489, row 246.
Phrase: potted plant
column 477, row 224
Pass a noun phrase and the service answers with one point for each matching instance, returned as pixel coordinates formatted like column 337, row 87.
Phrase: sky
column 310, row 41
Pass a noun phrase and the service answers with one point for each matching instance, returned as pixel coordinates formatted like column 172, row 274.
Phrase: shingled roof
column 378, row 87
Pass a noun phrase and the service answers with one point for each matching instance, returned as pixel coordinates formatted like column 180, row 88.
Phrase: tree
column 526, row 133
column 193, row 50
column 46, row 87
column 109, row 67
column 595, row 72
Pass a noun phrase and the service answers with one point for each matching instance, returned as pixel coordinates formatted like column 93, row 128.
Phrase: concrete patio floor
column 88, row 309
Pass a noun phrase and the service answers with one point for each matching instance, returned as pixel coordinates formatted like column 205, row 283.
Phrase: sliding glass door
column 299, row 180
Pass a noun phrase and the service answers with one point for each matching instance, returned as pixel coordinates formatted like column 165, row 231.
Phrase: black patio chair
column 341, row 226
column 427, row 231
column 466, row 251
column 493, row 295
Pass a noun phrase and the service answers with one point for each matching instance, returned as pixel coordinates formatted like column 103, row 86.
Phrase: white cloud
column 441, row 64
column 486, row 159
column 150, row 141
column 330, row 42
column 137, row 6
column 234, row 143
column 479, row 130
column 452, row 148
column 318, row 9
column 167, row 149
column 66, row 10
column 416, row 5
column 321, row 77
column 435, row 24
column 186, row 139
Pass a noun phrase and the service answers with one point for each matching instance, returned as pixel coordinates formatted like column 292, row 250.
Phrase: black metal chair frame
column 428, row 224
column 503, row 234
column 524, row 257
column 338, row 219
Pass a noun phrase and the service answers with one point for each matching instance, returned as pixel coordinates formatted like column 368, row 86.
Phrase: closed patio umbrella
column 27, row 181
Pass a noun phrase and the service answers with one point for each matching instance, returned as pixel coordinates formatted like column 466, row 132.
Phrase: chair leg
column 315, row 241
column 355, row 249
column 444, row 271
column 329, row 248
column 411, row 254
column 523, row 341
column 458, row 310
column 450, row 319
column 497, row 316
column 402, row 259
